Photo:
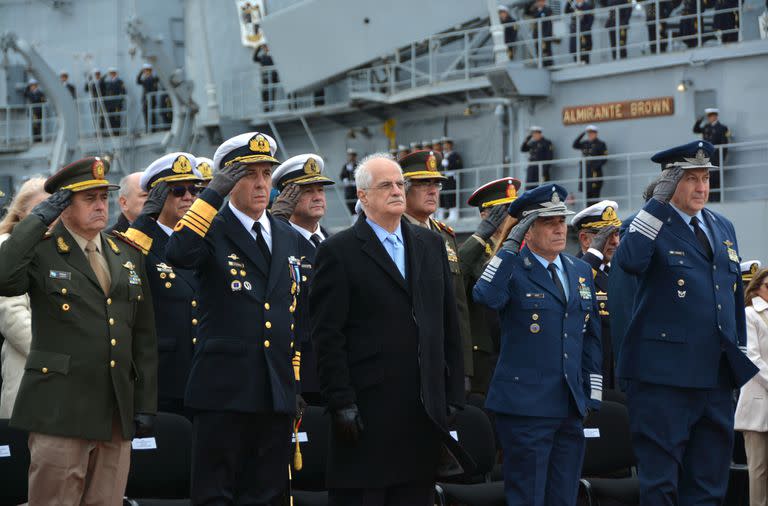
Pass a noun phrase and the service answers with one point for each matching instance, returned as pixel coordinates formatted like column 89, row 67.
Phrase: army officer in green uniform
column 423, row 183
column 492, row 199
column 90, row 381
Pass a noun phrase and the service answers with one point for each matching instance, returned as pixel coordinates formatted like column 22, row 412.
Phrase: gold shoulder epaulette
column 130, row 242
column 445, row 227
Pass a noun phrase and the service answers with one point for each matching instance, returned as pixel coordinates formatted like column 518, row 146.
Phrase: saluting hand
column 602, row 236
column 491, row 223
column 227, row 177
column 50, row 209
column 286, row 202
column 517, row 235
column 347, row 424
column 155, row 200
column 667, row 184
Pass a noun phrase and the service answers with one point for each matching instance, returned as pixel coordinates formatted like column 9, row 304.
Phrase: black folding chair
column 475, row 434
column 160, row 476
column 608, row 471
column 14, row 464
column 308, row 485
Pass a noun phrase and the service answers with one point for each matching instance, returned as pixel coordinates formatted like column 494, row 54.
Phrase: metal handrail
column 625, row 176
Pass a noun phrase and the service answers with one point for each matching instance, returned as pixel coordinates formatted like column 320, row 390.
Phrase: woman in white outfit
column 15, row 315
column 752, row 410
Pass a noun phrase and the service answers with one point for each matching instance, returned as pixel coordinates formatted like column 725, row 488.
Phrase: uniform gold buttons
column 291, row 344
column 194, row 340
column 242, row 273
column 168, row 284
column 233, row 272
column 65, row 307
column 112, row 363
column 475, row 348
column 534, row 316
column 109, row 302
column 266, row 343
column 114, row 342
column 194, row 321
column 194, row 303
column 680, row 282
column 111, row 321
column 292, row 326
column 139, row 297
column 266, row 306
column 163, row 275
column 304, row 278
column 63, row 291
column 45, row 370
column 172, row 275
column 268, row 325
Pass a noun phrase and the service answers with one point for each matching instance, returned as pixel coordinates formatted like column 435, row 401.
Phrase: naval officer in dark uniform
column 171, row 181
column 492, row 200
column 593, row 169
column 682, row 353
column 242, row 383
column 548, row 375
column 598, row 230
column 423, row 183
column 301, row 203
column 715, row 133
column 90, row 383
column 539, row 149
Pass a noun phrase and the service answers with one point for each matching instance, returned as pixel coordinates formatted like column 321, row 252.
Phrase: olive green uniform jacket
column 93, row 357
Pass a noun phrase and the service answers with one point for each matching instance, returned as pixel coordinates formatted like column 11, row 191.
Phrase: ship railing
column 555, row 41
column 625, row 177
column 157, row 111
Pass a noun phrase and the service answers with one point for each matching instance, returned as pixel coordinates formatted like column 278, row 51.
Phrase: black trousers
column 408, row 494
column 240, row 458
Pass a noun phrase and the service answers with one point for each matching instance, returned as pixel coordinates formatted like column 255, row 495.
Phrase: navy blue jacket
column 243, row 357
column 688, row 310
column 550, row 349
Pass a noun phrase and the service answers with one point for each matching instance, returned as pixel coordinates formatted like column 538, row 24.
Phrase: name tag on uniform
column 144, row 443
column 60, row 274
column 592, row 433
column 302, row 437
column 5, row 451
column 534, row 295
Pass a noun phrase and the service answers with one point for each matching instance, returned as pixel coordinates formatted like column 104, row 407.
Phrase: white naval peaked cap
column 302, row 170
column 250, row 147
column 205, row 167
column 599, row 215
column 711, row 110
column 172, row 167
column 536, row 128
column 591, row 128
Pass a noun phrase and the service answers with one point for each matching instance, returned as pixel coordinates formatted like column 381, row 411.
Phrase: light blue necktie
column 398, row 252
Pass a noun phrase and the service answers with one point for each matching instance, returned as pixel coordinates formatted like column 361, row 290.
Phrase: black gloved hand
column 50, row 209
column 347, row 424
column 602, row 236
column 491, row 224
column 667, row 184
column 285, row 203
column 145, row 424
column 648, row 192
column 301, row 405
column 155, row 200
column 517, row 235
column 227, row 177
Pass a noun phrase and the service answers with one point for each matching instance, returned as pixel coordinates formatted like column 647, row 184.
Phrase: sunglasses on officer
column 180, row 190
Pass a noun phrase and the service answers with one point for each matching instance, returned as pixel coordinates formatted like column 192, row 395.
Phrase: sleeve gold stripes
column 139, row 238
column 296, row 361
column 198, row 218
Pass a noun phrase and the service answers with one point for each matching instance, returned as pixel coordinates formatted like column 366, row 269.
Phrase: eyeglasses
column 387, row 185
column 428, row 184
column 179, row 191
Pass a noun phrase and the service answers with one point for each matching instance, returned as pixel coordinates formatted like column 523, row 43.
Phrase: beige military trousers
column 70, row 472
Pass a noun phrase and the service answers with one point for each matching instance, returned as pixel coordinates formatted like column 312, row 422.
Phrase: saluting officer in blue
column 681, row 353
column 548, row 373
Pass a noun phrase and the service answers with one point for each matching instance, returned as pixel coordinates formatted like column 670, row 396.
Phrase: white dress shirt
column 306, row 234
column 247, row 221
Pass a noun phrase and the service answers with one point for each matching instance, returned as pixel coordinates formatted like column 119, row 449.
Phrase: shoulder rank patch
column 62, row 245
column 443, row 226
column 127, row 240
column 113, row 246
